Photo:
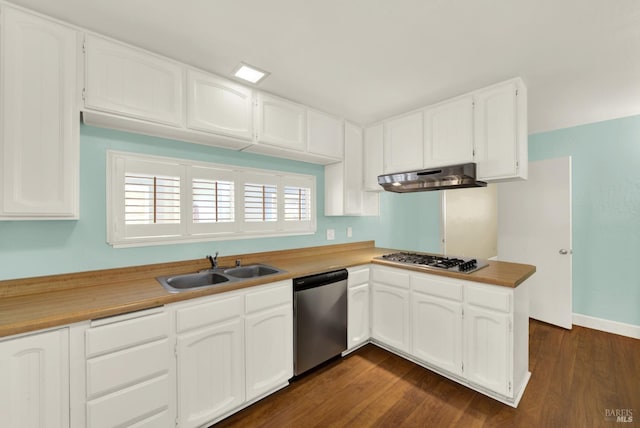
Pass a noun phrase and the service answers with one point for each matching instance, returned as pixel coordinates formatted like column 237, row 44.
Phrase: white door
column 325, row 134
column 448, row 133
column 487, row 360
column 373, row 157
column 218, row 105
column 281, row 123
column 34, row 391
column 496, row 132
column 358, row 316
column 39, row 144
column 534, row 227
column 390, row 320
column 437, row 331
column 210, row 372
column 269, row 350
column 130, row 82
column 403, row 143
column 353, row 183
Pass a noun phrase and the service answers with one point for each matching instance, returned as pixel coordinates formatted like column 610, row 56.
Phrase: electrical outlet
column 331, row 234
column 349, row 232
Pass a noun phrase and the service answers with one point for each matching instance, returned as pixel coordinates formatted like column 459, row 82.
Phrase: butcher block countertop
column 31, row 304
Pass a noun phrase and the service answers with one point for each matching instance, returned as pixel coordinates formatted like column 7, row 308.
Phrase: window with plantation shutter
column 213, row 201
column 297, row 203
column 156, row 200
column 151, row 199
column 260, row 202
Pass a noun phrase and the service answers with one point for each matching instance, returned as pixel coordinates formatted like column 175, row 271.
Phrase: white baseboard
column 609, row 326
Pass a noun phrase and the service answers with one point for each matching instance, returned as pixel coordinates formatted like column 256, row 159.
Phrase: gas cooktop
column 451, row 264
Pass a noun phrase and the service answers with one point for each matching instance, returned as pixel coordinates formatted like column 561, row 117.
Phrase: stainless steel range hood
column 442, row 178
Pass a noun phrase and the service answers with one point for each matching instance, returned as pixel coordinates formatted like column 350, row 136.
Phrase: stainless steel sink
column 252, row 271
column 215, row 277
column 193, row 280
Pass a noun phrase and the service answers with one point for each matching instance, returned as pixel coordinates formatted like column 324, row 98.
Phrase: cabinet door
column 437, row 332
column 34, row 391
column 487, row 349
column 218, row 105
column 281, row 122
column 358, row 331
column 448, row 133
column 403, row 143
column 353, row 185
column 210, row 372
column 496, row 132
column 39, row 139
column 269, row 350
column 390, row 316
column 325, row 135
column 373, row 157
column 130, row 82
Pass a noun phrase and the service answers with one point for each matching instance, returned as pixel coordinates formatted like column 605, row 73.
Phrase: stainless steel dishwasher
column 319, row 318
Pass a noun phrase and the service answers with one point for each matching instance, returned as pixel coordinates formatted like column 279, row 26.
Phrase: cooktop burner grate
column 454, row 264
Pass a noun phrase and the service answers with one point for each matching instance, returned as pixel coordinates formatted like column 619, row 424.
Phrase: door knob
column 563, row 251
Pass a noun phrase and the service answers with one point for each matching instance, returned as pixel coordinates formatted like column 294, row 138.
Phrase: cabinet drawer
column 124, row 334
column 494, row 298
column 210, row 312
column 394, row 277
column 125, row 407
column 279, row 294
column 437, row 287
column 358, row 276
column 118, row 370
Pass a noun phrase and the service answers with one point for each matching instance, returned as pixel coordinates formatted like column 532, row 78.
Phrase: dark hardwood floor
column 576, row 376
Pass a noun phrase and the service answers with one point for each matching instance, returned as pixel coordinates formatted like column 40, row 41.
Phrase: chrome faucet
column 213, row 260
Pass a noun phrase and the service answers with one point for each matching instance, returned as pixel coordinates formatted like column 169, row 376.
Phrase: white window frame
column 121, row 235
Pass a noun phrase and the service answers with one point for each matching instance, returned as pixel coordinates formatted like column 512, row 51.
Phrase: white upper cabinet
column 353, row 172
column 281, row 122
column 344, row 185
column 403, row 143
column 219, row 105
column 501, row 131
column 487, row 126
column 448, row 133
column 325, row 135
column 373, row 157
column 39, row 141
column 131, row 82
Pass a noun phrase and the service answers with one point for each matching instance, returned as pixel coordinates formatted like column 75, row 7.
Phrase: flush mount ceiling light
column 249, row 73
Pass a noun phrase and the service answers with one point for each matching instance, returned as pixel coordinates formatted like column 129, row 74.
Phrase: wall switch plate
column 349, row 232
column 331, row 234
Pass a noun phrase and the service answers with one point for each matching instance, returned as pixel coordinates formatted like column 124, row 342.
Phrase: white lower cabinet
column 34, row 391
column 232, row 348
column 476, row 334
column 358, row 301
column 128, row 371
column 487, row 345
column 210, row 372
column 269, row 347
column 436, row 326
column 390, row 319
column 269, row 338
column 210, row 358
column 488, row 321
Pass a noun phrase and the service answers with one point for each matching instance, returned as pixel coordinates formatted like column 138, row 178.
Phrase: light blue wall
column 34, row 248
column 606, row 213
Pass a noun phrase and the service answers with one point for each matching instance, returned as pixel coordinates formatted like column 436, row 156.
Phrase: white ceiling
column 367, row 60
